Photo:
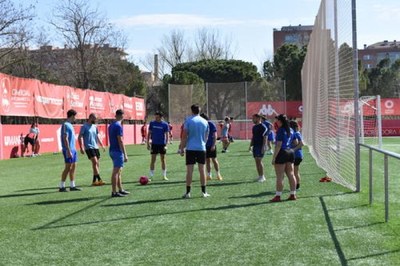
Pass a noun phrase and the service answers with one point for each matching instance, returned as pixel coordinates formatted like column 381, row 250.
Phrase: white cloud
column 191, row 21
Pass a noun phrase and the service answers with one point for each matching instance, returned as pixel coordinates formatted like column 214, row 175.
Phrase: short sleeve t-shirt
column 115, row 130
column 211, row 134
column 68, row 130
column 298, row 153
column 196, row 128
column 284, row 137
column 89, row 132
column 158, row 130
column 259, row 132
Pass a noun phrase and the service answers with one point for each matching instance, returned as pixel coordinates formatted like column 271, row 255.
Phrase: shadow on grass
column 262, row 194
column 26, row 194
column 375, row 255
column 223, row 183
column 219, row 208
column 51, row 202
column 359, row 226
column 351, row 207
column 36, row 189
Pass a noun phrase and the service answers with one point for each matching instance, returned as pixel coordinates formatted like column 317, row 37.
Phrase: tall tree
column 86, row 32
column 15, row 32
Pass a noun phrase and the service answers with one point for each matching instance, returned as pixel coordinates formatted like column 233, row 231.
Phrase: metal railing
column 386, row 155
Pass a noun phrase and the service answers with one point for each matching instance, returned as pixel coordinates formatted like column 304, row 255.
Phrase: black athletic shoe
column 74, row 189
column 117, row 194
column 62, row 189
column 124, row 192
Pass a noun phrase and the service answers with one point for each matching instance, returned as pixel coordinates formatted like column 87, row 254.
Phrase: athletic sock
column 62, row 184
column 151, row 173
column 278, row 193
column 209, row 174
column 94, row 178
column 298, row 186
column 293, row 192
column 98, row 177
column 164, row 173
column 72, row 184
column 188, row 189
column 203, row 189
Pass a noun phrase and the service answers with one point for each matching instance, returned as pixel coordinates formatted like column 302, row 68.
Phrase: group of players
column 287, row 154
column 198, row 142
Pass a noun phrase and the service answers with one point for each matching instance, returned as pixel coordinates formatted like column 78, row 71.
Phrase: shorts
column 271, row 136
column 117, row 158
column 285, row 156
column 297, row 161
column 73, row 159
column 193, row 157
column 29, row 140
column 92, row 153
column 257, row 152
column 158, row 148
column 210, row 153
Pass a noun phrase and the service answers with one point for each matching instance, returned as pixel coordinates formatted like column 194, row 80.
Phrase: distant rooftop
column 296, row 28
column 383, row 45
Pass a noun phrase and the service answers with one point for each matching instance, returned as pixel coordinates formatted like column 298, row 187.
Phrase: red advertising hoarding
column 115, row 102
column 49, row 100
column 76, row 99
column 98, row 103
column 272, row 109
column 17, row 96
column 140, row 109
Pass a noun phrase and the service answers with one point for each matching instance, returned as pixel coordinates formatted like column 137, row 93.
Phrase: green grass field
column 328, row 225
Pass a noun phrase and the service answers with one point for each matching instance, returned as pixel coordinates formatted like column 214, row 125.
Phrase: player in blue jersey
column 194, row 138
column 211, row 149
column 69, row 152
column 296, row 146
column 158, row 133
column 89, row 142
column 283, row 158
column 258, row 145
column 117, row 153
column 270, row 134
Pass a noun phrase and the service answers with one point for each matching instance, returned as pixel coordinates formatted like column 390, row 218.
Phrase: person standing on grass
column 158, row 133
column 296, row 146
column 211, row 149
column 117, row 153
column 283, row 158
column 171, row 138
column 89, row 135
column 69, row 152
column 258, row 145
column 143, row 130
column 225, row 135
column 194, row 139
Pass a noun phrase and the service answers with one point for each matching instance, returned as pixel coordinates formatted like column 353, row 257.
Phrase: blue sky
column 249, row 24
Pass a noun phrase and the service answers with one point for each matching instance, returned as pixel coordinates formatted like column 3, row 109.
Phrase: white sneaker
column 261, row 179
column 205, row 195
column 186, row 196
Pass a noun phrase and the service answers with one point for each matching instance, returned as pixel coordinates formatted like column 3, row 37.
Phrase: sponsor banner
column 76, row 99
column 98, row 103
column 129, row 134
column 49, row 100
column 129, row 107
column 16, row 95
column 140, row 109
column 115, row 102
column 272, row 109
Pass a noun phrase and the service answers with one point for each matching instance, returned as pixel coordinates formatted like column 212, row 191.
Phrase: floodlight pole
column 356, row 96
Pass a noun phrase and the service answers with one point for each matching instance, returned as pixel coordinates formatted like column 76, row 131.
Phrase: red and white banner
column 49, row 100
column 115, row 102
column 139, row 108
column 16, row 95
column 98, row 103
column 76, row 99
column 272, row 109
column 129, row 108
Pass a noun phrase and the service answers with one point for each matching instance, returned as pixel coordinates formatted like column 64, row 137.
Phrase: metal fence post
column 386, row 173
column 370, row 177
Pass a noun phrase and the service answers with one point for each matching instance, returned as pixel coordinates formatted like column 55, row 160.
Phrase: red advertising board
column 115, row 102
column 16, row 95
column 129, row 108
column 49, row 100
column 140, row 110
column 98, row 103
column 76, row 99
column 272, row 109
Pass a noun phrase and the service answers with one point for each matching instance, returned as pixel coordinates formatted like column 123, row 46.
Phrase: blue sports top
column 196, row 128
column 259, row 132
column 89, row 132
column 281, row 135
column 68, row 130
column 299, row 152
column 211, row 134
column 115, row 130
column 158, row 130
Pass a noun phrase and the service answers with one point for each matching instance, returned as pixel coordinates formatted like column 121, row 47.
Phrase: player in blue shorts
column 69, row 152
column 258, row 144
column 270, row 134
column 158, row 133
column 296, row 146
column 194, row 138
column 117, row 153
column 211, row 149
column 283, row 158
column 89, row 139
